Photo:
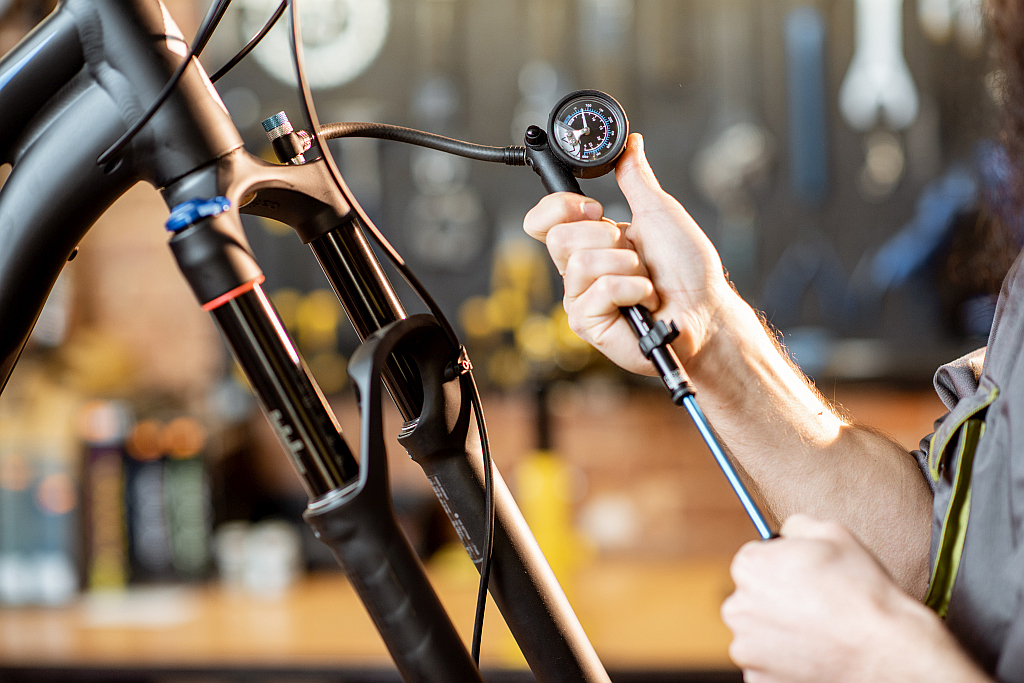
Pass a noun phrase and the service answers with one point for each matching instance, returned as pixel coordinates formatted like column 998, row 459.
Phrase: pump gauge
column 588, row 130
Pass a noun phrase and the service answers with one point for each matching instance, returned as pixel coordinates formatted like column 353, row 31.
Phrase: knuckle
column 578, row 328
column 738, row 652
column 532, row 220
column 584, row 259
column 835, row 530
column 633, row 260
column 747, row 553
column 557, row 239
column 604, row 287
column 575, row 320
column 730, row 609
column 547, row 213
column 747, row 561
column 575, row 265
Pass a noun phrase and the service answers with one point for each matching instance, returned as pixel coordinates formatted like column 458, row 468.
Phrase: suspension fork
column 524, row 587
column 349, row 509
column 522, row 584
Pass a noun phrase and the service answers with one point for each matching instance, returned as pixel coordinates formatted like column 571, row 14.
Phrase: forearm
column 801, row 454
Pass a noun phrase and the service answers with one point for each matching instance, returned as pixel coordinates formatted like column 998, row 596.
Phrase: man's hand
column 803, row 456
column 606, row 266
column 816, row 606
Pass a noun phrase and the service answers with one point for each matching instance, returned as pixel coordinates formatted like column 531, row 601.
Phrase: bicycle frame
column 70, row 89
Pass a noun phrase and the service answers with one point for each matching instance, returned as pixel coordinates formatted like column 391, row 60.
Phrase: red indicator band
column 237, row 291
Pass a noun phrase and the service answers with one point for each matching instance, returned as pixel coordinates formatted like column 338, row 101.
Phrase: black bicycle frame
column 68, row 91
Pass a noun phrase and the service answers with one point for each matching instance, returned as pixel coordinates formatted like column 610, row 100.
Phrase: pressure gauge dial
column 588, row 131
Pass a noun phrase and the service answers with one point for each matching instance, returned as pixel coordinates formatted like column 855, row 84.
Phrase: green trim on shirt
column 954, row 526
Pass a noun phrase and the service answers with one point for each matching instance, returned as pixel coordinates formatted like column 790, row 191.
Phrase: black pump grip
column 659, row 335
column 556, row 176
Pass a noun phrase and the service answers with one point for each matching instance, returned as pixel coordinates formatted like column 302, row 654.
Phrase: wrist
column 733, row 337
column 914, row 645
column 741, row 371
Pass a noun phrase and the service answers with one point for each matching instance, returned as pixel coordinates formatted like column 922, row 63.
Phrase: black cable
column 202, row 37
column 485, row 562
column 309, row 109
column 244, row 52
column 512, row 156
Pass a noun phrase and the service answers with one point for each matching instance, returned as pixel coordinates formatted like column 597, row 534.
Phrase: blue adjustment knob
column 277, row 126
column 188, row 213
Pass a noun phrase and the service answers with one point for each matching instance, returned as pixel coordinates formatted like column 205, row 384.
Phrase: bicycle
column 111, row 88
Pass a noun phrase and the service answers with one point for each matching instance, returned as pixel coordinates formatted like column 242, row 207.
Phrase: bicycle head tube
column 67, row 92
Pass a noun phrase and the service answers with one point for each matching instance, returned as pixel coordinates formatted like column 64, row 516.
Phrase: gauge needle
column 577, row 133
column 585, row 130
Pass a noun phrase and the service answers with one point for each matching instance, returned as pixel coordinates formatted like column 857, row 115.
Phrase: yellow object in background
column 99, row 364
column 544, row 491
column 515, row 333
column 313, row 319
column 317, row 317
column 286, row 301
column 103, row 427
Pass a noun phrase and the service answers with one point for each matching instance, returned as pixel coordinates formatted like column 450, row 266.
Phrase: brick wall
column 636, row 455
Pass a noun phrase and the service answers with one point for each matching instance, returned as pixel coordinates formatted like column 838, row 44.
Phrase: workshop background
column 836, row 152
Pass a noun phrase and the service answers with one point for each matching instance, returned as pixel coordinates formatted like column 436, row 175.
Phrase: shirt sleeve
column 921, row 455
column 953, row 381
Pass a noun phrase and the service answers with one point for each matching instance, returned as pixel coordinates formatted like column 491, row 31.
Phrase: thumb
column 634, row 175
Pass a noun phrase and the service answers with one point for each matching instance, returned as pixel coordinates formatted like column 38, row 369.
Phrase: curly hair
column 1006, row 17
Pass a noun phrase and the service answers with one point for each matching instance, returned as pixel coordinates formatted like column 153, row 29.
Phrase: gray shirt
column 975, row 464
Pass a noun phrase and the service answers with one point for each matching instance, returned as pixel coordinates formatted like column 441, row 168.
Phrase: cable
column 309, row 109
column 244, row 52
column 485, row 562
column 202, row 37
column 512, row 156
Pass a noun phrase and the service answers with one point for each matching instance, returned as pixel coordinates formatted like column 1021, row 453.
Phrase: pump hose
column 511, row 156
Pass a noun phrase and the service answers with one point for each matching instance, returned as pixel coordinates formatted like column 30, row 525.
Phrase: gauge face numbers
column 587, row 129
column 587, row 132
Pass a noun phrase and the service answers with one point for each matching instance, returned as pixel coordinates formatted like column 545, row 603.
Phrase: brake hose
column 241, row 54
column 309, row 109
